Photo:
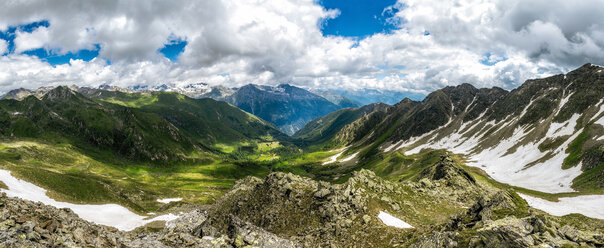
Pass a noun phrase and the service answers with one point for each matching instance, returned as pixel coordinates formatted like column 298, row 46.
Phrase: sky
column 408, row 45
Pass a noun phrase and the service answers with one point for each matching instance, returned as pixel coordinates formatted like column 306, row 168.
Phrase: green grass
column 574, row 150
column 591, row 180
column 135, row 101
column 72, row 176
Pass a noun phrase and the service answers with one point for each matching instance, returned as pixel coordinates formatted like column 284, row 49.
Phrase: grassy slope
column 75, row 177
column 322, row 130
column 217, row 125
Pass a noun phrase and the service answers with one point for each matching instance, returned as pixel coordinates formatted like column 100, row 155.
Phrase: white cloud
column 272, row 42
column 25, row 41
column 3, row 46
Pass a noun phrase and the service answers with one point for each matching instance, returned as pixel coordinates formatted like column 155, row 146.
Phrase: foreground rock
column 503, row 219
column 28, row 224
column 445, row 204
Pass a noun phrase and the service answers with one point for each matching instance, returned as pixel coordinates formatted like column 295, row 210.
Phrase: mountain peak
column 59, row 92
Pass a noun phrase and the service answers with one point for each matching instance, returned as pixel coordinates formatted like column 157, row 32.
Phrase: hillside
column 323, row 129
column 211, row 123
column 545, row 135
column 465, row 167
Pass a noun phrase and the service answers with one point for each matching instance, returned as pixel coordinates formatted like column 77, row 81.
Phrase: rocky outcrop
column 503, row 219
column 314, row 213
column 28, row 224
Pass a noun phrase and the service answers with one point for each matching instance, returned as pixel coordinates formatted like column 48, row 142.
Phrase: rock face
column 340, row 215
column 503, row 219
column 28, row 224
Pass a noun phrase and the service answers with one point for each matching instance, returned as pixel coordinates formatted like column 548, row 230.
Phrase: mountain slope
column 326, row 127
column 207, row 121
column 545, row 135
column 155, row 126
column 64, row 114
column 286, row 106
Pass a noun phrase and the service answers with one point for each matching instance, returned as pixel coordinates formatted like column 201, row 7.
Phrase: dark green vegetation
column 213, row 124
column 323, row 129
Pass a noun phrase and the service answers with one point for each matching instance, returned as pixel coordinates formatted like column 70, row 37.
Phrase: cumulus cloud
column 26, row 41
column 235, row 42
column 3, row 46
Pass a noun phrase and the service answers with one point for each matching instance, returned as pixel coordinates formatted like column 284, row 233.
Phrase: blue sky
column 359, row 18
column 172, row 49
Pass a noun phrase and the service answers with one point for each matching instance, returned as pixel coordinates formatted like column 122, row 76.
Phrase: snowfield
column 107, row 214
column 545, row 172
column 350, row 157
column 524, row 166
column 390, row 220
column 547, row 176
column 588, row 205
column 168, row 200
column 334, row 158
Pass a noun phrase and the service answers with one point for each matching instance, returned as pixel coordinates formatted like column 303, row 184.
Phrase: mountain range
column 545, row 135
column 288, row 107
column 282, row 166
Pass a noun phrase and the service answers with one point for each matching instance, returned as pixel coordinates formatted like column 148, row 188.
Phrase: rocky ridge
column 29, row 224
column 446, row 205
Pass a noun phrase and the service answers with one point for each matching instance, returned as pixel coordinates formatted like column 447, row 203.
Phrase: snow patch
column 563, row 102
column 107, row 214
column 600, row 111
column 547, row 176
column 390, row 220
column 334, row 158
column 562, row 129
column 350, row 157
column 415, row 139
column 168, row 200
column 392, row 146
column 600, row 121
column 588, row 205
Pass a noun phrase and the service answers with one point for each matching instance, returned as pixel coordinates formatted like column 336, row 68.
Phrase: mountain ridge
column 476, row 121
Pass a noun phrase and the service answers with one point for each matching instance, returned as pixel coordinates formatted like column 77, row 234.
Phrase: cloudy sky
column 408, row 45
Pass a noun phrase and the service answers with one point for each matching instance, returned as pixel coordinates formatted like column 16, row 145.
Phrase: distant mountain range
column 361, row 97
column 288, row 107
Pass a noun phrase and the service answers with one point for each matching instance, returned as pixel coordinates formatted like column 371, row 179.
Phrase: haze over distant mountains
column 288, row 107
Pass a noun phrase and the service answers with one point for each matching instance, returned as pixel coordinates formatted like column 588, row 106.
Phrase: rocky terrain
column 285, row 210
column 30, row 224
